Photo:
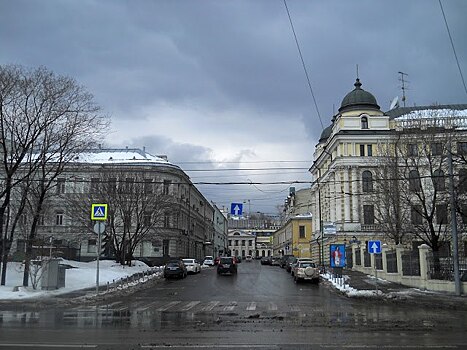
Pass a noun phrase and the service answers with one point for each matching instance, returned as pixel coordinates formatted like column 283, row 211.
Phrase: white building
column 241, row 243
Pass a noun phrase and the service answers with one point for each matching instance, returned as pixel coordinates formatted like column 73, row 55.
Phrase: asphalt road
column 259, row 308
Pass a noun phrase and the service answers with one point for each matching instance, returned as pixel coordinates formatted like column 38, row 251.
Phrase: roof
column 120, row 156
column 401, row 111
column 358, row 98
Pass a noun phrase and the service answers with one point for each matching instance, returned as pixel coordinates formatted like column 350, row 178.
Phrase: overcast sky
column 221, row 83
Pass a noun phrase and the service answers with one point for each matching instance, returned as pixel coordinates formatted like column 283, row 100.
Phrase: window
column 230, row 242
column 41, row 220
column 368, row 215
column 436, row 149
column 301, row 231
column 415, row 184
column 364, row 121
column 243, row 242
column 369, row 150
column 250, row 243
column 416, row 215
column 92, row 246
column 148, row 186
column 463, row 212
column 442, row 214
column 112, row 185
column 167, row 184
column 438, row 180
column 367, row 181
column 463, row 180
column 59, row 218
column 60, row 186
column 236, row 242
column 462, row 148
column 166, row 220
column 412, row 150
column 147, row 219
column 94, row 184
column 362, row 150
column 129, row 181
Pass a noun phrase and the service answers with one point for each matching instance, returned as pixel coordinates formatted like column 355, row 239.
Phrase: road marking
column 294, row 308
column 146, row 307
column 272, row 307
column 168, row 306
column 230, row 307
column 190, row 305
column 212, row 346
column 211, row 305
column 47, row 346
column 251, row 306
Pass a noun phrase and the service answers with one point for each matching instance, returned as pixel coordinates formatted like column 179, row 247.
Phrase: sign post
column 374, row 247
column 99, row 214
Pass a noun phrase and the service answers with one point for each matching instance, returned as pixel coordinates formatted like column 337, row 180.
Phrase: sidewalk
column 360, row 285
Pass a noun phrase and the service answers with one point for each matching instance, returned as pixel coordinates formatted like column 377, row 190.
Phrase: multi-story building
column 182, row 225
column 241, row 243
column 294, row 238
column 220, row 241
column 348, row 157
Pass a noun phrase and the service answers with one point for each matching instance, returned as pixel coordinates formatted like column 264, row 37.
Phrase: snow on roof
column 305, row 215
column 433, row 113
column 120, row 156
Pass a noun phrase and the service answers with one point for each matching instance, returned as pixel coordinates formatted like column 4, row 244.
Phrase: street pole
column 98, row 256
column 455, row 253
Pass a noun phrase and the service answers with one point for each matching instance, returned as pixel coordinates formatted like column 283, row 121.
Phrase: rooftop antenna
column 402, row 79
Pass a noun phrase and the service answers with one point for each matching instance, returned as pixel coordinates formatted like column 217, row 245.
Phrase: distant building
column 241, row 243
column 294, row 237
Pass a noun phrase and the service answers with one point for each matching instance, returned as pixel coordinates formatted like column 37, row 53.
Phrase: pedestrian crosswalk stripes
column 191, row 306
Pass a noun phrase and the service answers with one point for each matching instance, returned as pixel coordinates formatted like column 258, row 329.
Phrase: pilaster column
column 346, row 195
column 355, row 196
column 332, row 187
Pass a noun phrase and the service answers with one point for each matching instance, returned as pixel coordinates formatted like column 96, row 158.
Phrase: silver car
column 192, row 265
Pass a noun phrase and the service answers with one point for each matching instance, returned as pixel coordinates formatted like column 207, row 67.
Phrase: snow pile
column 340, row 284
column 80, row 275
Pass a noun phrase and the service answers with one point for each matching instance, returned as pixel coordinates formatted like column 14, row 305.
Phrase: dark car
column 239, row 259
column 284, row 260
column 227, row 265
column 266, row 260
column 175, row 269
column 288, row 265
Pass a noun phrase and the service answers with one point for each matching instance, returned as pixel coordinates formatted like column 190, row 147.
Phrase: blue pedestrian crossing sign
column 236, row 209
column 374, row 247
column 99, row 212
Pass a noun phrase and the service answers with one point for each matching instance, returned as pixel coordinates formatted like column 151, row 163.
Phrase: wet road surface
column 261, row 307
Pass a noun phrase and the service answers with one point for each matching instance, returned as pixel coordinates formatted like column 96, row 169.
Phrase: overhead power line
column 452, row 45
column 303, row 64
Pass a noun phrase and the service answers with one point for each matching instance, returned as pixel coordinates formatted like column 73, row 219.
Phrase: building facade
column 178, row 221
column 241, row 243
column 348, row 157
column 295, row 237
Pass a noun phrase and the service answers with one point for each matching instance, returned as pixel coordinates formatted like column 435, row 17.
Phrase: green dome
column 357, row 99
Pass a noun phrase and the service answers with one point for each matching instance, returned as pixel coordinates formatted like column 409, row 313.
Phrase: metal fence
column 411, row 263
column 391, row 261
column 348, row 257
column 358, row 257
column 442, row 267
column 366, row 258
column 379, row 261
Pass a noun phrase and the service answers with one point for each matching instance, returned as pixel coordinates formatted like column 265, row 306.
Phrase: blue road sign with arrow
column 374, row 247
column 236, row 209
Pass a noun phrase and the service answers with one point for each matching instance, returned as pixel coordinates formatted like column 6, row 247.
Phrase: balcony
column 371, row 227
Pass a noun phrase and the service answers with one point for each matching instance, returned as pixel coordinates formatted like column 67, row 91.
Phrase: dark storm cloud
column 237, row 61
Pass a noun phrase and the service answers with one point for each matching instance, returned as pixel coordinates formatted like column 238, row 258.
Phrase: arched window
column 415, row 184
column 367, row 181
column 438, row 180
column 364, row 121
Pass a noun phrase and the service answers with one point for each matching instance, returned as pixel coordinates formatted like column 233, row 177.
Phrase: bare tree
column 138, row 209
column 45, row 120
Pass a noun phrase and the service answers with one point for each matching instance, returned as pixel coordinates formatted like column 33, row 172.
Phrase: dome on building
column 326, row 133
column 358, row 99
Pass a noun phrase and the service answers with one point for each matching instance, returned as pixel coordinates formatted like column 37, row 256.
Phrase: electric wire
column 303, row 64
column 452, row 45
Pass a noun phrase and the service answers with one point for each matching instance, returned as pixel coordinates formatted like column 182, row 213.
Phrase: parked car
column 192, row 265
column 208, row 260
column 175, row 268
column 284, row 259
column 276, row 261
column 227, row 264
column 266, row 260
column 216, row 260
column 306, row 271
column 295, row 264
column 290, row 262
column 248, row 258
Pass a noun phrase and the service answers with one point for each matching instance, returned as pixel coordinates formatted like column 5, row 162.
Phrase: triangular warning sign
column 99, row 212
